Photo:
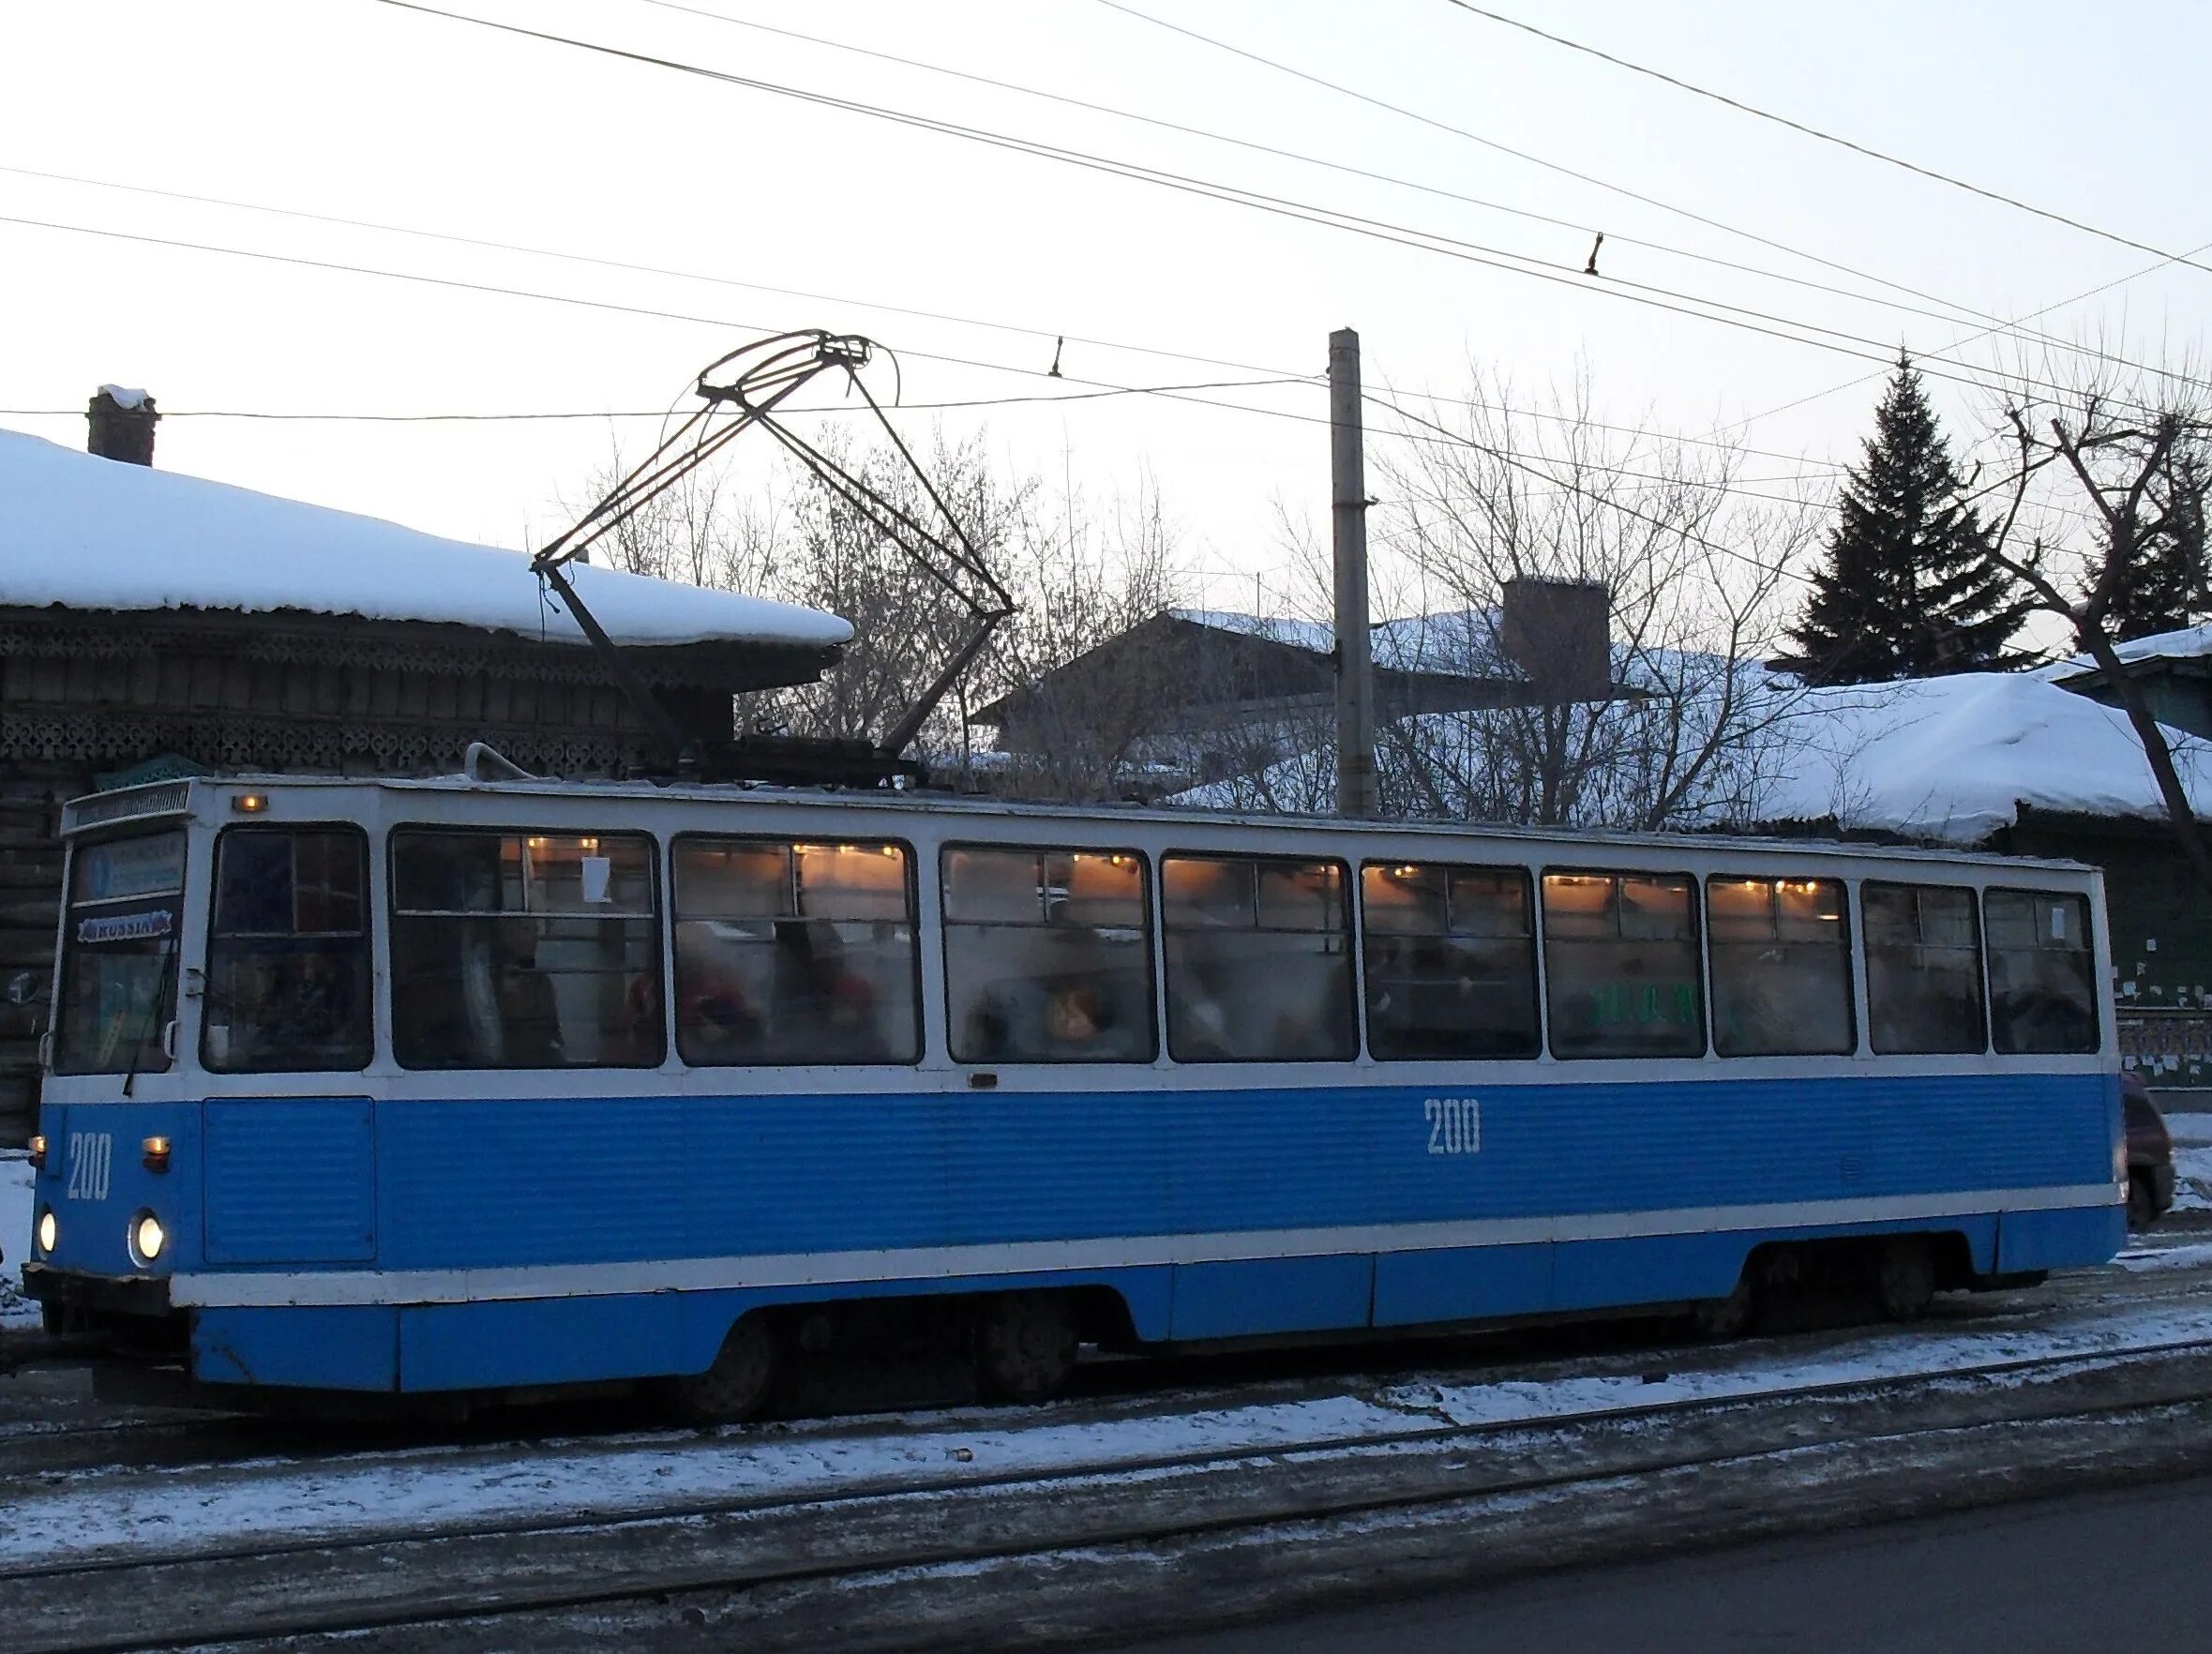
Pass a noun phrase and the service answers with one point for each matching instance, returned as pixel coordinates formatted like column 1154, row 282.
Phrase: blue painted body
column 338, row 1185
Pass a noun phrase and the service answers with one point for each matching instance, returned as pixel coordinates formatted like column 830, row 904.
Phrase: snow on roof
column 1459, row 643
column 1953, row 760
column 123, row 396
column 86, row 532
column 1943, row 760
column 2188, row 643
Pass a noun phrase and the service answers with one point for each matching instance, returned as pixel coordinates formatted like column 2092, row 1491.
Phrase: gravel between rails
column 765, row 1573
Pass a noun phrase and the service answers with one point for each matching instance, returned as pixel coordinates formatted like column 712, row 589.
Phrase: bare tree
column 695, row 532
column 906, row 623
column 1695, row 566
column 2101, row 483
column 1080, row 582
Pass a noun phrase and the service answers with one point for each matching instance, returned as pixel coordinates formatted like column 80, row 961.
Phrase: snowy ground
column 2192, row 1161
column 15, row 1238
column 82, row 1516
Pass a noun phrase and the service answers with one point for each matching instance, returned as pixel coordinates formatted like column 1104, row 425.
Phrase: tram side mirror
column 25, row 988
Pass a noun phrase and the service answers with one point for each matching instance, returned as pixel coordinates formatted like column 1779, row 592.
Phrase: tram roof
column 925, row 801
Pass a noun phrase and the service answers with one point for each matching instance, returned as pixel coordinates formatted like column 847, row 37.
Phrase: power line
column 1997, row 324
column 1856, row 148
column 1949, row 311
column 284, row 416
column 1565, row 485
column 1967, row 339
column 1758, row 321
column 1441, row 126
column 607, row 263
column 1166, row 394
column 882, row 305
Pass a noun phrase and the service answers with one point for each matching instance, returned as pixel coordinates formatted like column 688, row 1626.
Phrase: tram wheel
column 1729, row 1317
column 1025, row 1345
column 1904, row 1278
column 2143, row 1202
column 737, row 1387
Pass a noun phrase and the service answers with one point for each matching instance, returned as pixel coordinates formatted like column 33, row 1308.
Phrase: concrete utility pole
column 1356, row 792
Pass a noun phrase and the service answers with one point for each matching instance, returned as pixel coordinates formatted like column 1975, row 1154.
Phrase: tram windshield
column 118, row 976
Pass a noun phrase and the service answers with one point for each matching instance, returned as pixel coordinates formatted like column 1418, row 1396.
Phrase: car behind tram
column 458, row 1087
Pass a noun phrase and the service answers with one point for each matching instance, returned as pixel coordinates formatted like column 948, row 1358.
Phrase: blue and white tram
column 463, row 1087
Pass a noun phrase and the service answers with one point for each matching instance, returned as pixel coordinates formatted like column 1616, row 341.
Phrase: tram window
column 1450, row 957
column 288, row 969
column 524, row 950
column 1259, row 964
column 794, row 952
column 2042, row 972
column 1620, row 961
column 1923, row 968
column 118, row 974
column 1780, row 955
column 1047, row 955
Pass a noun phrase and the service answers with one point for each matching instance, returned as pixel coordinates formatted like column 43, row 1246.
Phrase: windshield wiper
column 154, row 1009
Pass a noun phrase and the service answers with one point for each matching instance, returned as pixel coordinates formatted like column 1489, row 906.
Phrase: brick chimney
column 122, row 423
column 1560, row 633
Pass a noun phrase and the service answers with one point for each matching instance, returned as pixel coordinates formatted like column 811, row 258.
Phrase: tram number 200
column 1455, row 1124
column 92, row 1161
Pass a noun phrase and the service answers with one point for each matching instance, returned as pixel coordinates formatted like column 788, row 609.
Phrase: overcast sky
column 358, row 110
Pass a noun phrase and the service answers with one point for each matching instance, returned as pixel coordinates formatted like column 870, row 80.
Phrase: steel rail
column 1345, row 1479
column 45, row 1446
column 877, row 1489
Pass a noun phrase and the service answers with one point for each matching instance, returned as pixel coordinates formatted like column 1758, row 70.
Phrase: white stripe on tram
column 332, row 1287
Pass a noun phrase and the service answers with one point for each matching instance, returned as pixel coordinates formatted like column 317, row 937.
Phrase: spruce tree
column 1908, row 590
column 2166, row 584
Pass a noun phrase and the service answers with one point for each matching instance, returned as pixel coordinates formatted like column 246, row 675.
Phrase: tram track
column 91, row 1438
column 545, row 1580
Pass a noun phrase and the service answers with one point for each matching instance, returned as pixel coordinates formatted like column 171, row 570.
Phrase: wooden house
column 155, row 623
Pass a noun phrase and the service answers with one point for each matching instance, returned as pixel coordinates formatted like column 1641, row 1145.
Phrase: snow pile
column 1953, row 760
column 93, row 533
column 2192, row 1177
column 15, row 1239
column 2188, row 643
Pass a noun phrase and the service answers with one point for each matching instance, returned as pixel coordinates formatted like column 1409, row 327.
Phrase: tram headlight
column 48, row 1233
column 147, row 1239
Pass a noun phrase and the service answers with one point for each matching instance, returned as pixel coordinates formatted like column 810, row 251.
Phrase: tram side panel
column 620, row 1237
